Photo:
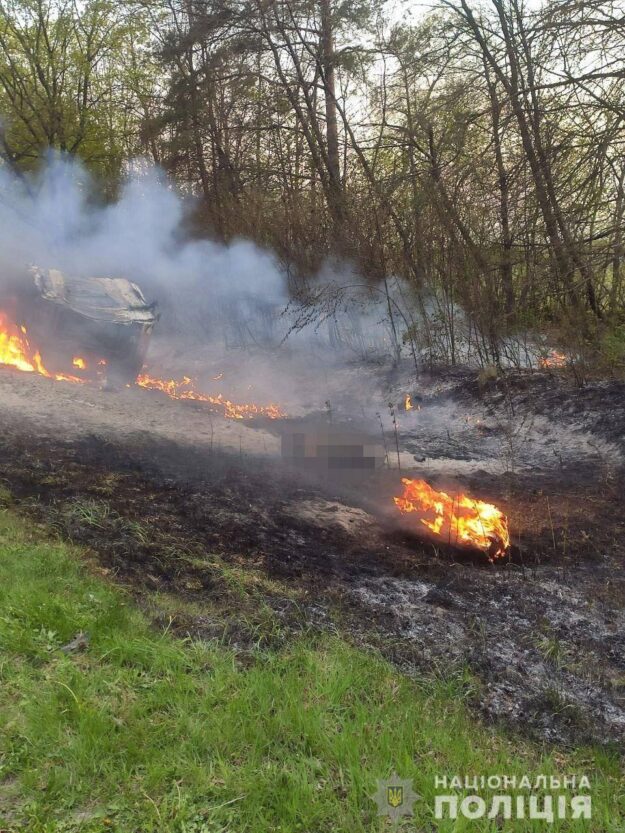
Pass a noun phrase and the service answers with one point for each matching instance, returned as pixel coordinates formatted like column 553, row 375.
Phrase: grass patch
column 143, row 732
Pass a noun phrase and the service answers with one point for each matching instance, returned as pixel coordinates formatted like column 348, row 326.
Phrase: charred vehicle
column 98, row 327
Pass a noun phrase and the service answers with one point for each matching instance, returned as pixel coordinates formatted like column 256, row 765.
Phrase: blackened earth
column 542, row 631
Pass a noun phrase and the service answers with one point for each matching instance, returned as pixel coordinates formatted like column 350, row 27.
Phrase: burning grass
column 17, row 351
column 553, row 359
column 184, row 389
column 460, row 520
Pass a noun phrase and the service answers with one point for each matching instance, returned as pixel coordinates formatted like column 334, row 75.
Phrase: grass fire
column 458, row 520
column 554, row 359
column 312, row 416
column 17, row 351
column 184, row 389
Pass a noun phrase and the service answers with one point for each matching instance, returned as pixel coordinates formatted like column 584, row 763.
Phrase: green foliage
column 5, row 496
column 69, row 81
column 613, row 347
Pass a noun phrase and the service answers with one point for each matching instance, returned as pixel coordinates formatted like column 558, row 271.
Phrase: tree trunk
column 504, row 213
column 329, row 86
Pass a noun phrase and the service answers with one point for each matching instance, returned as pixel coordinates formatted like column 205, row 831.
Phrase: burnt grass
column 214, row 546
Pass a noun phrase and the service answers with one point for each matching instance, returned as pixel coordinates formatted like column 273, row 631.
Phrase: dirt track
column 166, row 495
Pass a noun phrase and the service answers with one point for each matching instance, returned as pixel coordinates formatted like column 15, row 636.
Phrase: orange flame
column 553, row 359
column 408, row 402
column 16, row 351
column 460, row 520
column 183, row 389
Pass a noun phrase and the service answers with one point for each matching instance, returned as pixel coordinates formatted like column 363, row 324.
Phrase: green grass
column 143, row 732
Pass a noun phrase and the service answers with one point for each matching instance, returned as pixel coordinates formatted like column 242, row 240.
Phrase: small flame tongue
column 183, row 389
column 460, row 520
column 553, row 359
column 16, row 351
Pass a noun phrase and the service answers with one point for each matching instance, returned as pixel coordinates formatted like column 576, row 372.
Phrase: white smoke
column 214, row 298
column 54, row 221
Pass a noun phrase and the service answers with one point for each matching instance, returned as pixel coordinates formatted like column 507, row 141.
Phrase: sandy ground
column 64, row 409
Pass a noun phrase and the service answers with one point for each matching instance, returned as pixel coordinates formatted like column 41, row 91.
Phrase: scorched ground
column 168, row 496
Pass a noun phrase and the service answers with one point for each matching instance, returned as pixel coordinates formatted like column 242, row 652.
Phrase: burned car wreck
column 98, row 326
